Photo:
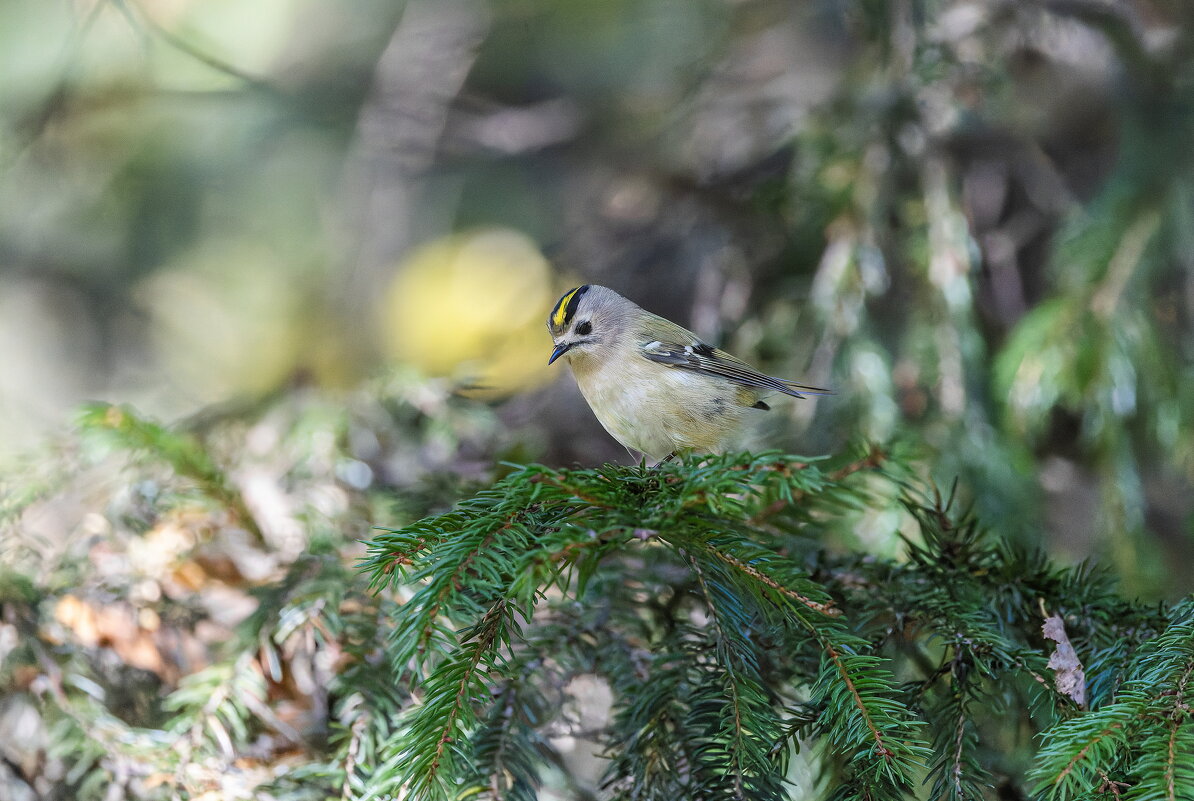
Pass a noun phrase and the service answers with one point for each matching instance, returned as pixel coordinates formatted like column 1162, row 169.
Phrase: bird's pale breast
column 656, row 409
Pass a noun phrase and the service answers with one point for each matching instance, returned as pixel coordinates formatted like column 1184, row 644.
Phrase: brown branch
column 1109, row 786
column 576, row 493
column 880, row 747
column 350, row 761
column 1123, row 264
column 454, row 582
column 482, row 645
column 874, row 458
column 1181, row 687
column 425, row 634
column 136, row 14
column 1179, row 710
column 734, row 699
column 495, row 785
column 1170, row 793
column 959, row 741
column 1081, row 754
column 758, row 575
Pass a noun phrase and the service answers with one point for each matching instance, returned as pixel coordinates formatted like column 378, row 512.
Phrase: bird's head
column 587, row 319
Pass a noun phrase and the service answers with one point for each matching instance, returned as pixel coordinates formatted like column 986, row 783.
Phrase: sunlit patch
column 469, row 306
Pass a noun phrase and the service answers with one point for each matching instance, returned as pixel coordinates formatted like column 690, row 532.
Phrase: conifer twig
column 874, row 458
column 880, row 745
column 350, row 758
column 493, row 617
column 735, row 701
column 959, row 742
column 758, row 575
column 1078, row 757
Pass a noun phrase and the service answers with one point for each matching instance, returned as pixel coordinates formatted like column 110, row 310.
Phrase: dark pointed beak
column 560, row 350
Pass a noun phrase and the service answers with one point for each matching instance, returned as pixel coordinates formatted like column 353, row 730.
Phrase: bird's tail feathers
column 805, row 389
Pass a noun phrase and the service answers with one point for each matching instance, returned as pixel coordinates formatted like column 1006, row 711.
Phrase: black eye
column 585, row 328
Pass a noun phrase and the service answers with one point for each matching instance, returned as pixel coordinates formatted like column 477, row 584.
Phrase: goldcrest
column 655, row 386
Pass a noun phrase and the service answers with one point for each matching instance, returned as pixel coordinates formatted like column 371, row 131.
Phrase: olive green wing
column 664, row 342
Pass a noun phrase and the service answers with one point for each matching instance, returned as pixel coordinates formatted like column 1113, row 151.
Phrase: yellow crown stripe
column 559, row 315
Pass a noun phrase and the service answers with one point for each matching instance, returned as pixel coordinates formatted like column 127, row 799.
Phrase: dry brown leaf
column 190, row 575
column 157, row 780
column 113, row 626
column 1068, row 675
column 79, row 618
column 23, row 676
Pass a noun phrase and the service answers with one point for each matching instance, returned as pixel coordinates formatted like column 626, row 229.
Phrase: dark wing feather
column 680, row 348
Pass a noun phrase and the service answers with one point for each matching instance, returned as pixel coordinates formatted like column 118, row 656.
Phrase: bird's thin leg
column 665, row 460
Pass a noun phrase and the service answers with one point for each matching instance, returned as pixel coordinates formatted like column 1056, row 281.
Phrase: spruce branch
column 352, row 755
column 825, row 608
column 509, row 772
column 649, row 755
column 752, row 725
column 874, row 458
column 127, row 430
column 738, row 735
column 485, row 634
column 428, row 753
column 1142, row 734
column 703, row 622
column 957, row 773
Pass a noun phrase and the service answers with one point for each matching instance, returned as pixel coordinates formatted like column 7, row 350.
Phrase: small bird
column 655, row 386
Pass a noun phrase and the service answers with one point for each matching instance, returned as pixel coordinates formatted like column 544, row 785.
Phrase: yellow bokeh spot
column 225, row 321
column 473, row 306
